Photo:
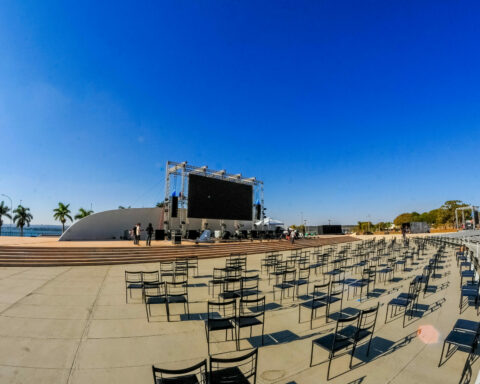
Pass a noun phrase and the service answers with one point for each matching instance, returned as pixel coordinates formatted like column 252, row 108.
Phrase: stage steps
column 24, row 256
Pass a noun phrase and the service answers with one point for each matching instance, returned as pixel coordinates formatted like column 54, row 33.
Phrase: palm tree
column 3, row 212
column 22, row 217
column 62, row 213
column 82, row 213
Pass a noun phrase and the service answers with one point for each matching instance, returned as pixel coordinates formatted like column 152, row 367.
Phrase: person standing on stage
column 149, row 234
column 137, row 233
column 133, row 231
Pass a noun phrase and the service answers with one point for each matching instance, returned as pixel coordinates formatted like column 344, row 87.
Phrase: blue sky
column 347, row 110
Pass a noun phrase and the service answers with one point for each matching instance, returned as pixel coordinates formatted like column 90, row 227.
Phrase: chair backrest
column 218, row 273
column 221, row 310
column 166, row 266
column 304, row 273
column 150, row 277
column 249, row 282
column 247, row 364
column 281, row 266
column 368, row 319
column 320, row 292
column 173, row 288
column 153, row 289
column 349, row 323
column 289, row 275
column 337, row 288
column 133, row 277
column 339, row 276
column 252, row 307
column 199, row 370
column 232, row 284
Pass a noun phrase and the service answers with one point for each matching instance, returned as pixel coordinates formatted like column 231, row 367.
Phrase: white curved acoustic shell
column 111, row 225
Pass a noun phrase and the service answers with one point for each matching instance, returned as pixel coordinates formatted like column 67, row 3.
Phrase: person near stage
column 149, row 234
column 133, row 231
column 404, row 233
column 137, row 233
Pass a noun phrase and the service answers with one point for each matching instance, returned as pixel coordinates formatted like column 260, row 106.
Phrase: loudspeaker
column 174, row 208
column 159, row 234
column 192, row 234
column 176, row 238
column 258, row 211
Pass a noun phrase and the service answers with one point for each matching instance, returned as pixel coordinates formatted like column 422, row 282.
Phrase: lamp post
column 11, row 207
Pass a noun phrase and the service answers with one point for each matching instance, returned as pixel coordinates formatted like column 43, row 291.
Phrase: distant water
column 33, row 230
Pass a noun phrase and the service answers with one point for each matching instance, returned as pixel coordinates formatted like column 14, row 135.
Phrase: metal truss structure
column 472, row 208
column 179, row 171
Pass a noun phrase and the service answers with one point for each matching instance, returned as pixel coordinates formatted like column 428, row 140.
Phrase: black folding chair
column 469, row 292
column 303, row 279
column 365, row 329
column 221, row 317
column 177, row 293
column 236, row 370
column 339, row 342
column 288, row 282
column 319, row 300
column 133, row 280
column 362, row 283
column 251, row 313
column 232, row 287
column 154, row 293
column 405, row 301
column 464, row 336
column 218, row 277
column 335, row 295
column 166, row 271
column 249, row 286
column 196, row 374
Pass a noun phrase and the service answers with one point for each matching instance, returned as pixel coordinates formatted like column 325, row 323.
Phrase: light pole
column 11, row 207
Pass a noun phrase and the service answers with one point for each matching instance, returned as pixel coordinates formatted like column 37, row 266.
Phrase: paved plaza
column 72, row 325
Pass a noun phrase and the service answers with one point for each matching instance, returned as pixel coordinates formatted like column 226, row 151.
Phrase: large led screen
column 210, row 198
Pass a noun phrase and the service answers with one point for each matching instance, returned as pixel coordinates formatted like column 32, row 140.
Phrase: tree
column 449, row 208
column 22, row 217
column 122, row 207
column 160, row 205
column 3, row 212
column 402, row 219
column 82, row 213
column 62, row 213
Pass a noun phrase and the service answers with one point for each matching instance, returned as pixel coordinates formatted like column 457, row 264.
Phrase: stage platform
column 45, row 251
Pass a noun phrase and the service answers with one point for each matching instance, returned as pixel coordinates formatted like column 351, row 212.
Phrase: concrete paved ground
column 72, row 325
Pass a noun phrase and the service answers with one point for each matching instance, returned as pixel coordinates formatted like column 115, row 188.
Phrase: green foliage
column 3, row 212
column 160, row 205
column 22, row 217
column 403, row 218
column 443, row 216
column 62, row 213
column 82, row 213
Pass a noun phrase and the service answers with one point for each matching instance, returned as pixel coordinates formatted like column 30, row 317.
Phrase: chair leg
column 311, row 354
column 441, row 356
column 352, row 354
column 329, row 364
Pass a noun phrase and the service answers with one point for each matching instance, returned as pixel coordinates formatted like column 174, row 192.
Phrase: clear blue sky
column 347, row 110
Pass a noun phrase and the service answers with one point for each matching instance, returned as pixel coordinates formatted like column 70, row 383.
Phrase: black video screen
column 210, row 198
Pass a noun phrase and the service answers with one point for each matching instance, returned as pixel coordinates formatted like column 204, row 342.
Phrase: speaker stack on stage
column 159, row 234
